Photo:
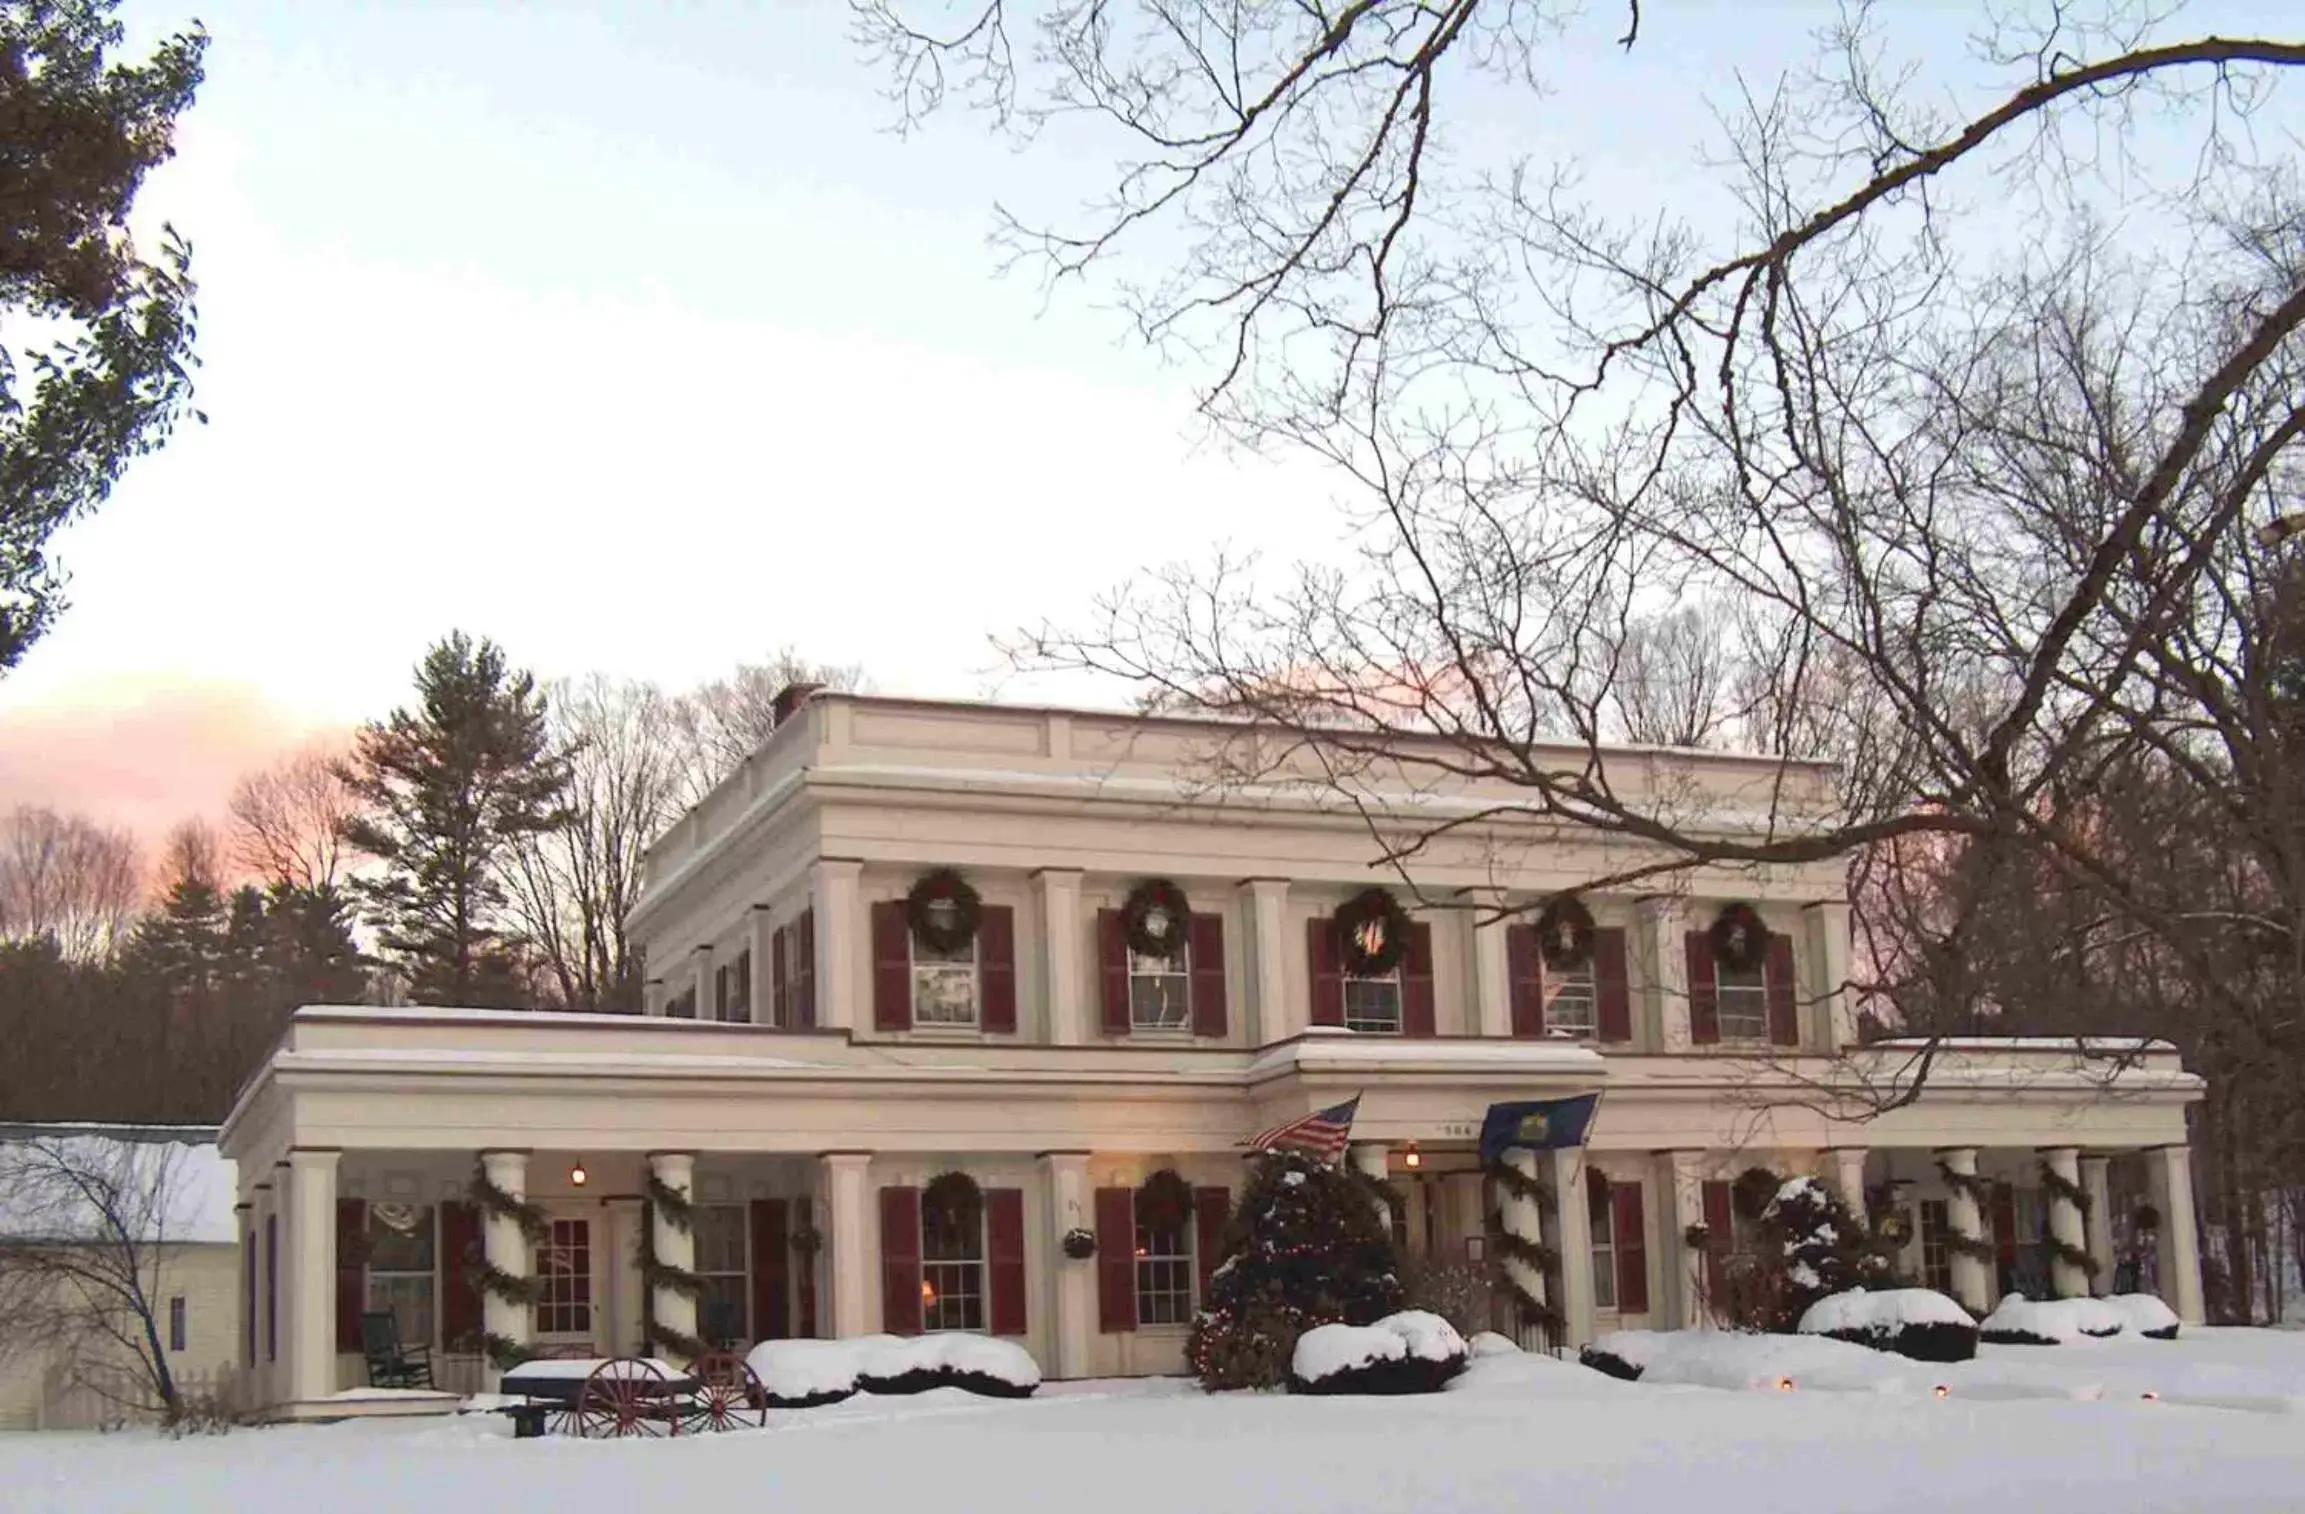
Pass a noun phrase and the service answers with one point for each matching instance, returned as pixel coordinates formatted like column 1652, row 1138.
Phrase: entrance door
column 564, row 1275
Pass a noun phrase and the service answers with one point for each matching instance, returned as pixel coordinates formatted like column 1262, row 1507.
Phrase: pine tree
column 1306, row 1248
column 309, row 950
column 1822, row 1247
column 446, row 789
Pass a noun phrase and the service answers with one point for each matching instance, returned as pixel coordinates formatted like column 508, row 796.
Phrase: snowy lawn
column 2044, row 1430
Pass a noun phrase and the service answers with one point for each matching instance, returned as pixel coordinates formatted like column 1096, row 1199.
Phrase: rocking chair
column 392, row 1364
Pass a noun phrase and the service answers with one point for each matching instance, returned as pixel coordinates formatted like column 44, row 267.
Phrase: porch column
column 1492, row 989
column 1662, row 979
column 707, row 1008
column 506, row 1249
column 1373, row 1160
column 1068, row 1024
column 1824, row 1019
column 1972, row 1284
column 1525, row 1218
column 2097, row 1182
column 1277, row 1019
column 845, row 1174
column 840, row 949
column 761, row 942
column 2169, row 1182
column 1845, row 1170
column 1575, row 1243
column 1687, row 1169
column 310, row 1268
column 1066, row 1173
column 675, row 1244
column 2065, row 1223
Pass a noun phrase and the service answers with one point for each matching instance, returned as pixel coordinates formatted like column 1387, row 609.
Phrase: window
column 1604, row 1240
column 1374, row 1004
column 176, row 1323
column 951, row 1271
column 1572, row 1003
column 1744, row 1002
column 943, row 984
column 1160, row 991
column 2030, row 1274
column 272, row 1287
column 564, row 1266
column 248, row 1299
column 732, row 990
column 681, row 1006
column 1936, row 1254
column 400, row 1267
column 722, row 1239
column 1164, row 1274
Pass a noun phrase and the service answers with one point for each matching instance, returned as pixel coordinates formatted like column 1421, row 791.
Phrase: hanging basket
column 1156, row 919
column 1740, row 938
column 943, row 910
column 1372, row 933
column 1565, row 933
column 1079, row 1244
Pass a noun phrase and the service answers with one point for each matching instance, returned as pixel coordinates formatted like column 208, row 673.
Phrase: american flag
column 1322, row 1133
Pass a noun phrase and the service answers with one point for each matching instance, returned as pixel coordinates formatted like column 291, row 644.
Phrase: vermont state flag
column 1536, row 1125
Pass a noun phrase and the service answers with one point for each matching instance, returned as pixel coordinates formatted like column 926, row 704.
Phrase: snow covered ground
column 2042, row 1429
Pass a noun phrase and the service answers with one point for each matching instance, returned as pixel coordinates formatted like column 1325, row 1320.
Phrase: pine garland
column 1974, row 1247
column 1504, row 1245
column 678, row 1343
column 1965, row 1185
column 530, row 1217
column 1515, row 1183
column 678, row 1209
column 2062, row 1187
column 505, row 1353
column 490, row 1278
column 658, row 1274
column 2072, row 1256
column 1519, row 1248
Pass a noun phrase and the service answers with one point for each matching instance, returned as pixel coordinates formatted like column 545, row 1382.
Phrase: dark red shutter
column 900, row 1261
column 1208, row 954
column 2005, row 1224
column 1784, row 1017
column 1629, row 1229
column 1610, row 985
column 1328, row 975
column 1720, row 1240
column 771, row 1271
column 891, row 967
column 1524, row 984
column 996, row 968
column 804, row 1281
column 352, row 1273
column 1004, row 1251
column 1704, row 993
column 1417, row 1018
column 780, row 987
column 804, row 972
column 1115, row 1260
column 459, row 1295
column 1212, row 1207
column 1112, row 970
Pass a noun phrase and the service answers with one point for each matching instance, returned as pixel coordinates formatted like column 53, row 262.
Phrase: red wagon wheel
column 625, row 1397
column 728, row 1395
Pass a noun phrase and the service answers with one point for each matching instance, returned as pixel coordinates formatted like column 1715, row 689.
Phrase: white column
column 706, row 1007
column 1686, row 1171
column 1068, row 1019
column 1845, row 1170
column 309, row 1267
column 1828, row 1020
column 2067, row 1280
column 841, row 948
column 1277, row 1018
column 1972, row 1283
column 675, row 1247
column 1576, row 1245
column 1372, row 1159
column 267, row 1301
column 848, row 1238
column 2169, row 1180
column 1525, row 1218
column 506, row 1249
column 622, row 1217
column 1066, row 1173
column 1492, row 984
column 1663, row 970
column 760, row 940
column 2097, row 1182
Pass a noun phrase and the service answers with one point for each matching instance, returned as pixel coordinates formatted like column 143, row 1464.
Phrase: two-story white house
column 903, row 941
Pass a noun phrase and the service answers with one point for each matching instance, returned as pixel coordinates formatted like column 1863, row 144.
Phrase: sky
column 630, row 336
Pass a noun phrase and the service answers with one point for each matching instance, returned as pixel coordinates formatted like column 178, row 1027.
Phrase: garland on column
column 1504, row 1245
column 513, row 1289
column 2061, row 1187
column 504, row 1353
column 1965, row 1185
column 1969, row 1186
column 679, row 1212
column 529, row 1217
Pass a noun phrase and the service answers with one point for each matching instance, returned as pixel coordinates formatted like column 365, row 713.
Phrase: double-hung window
column 722, row 1239
column 1603, row 1212
column 1160, row 991
column 952, row 1284
column 400, row 1267
column 1374, row 1004
column 1572, row 1001
column 732, row 990
column 1164, row 1273
column 944, row 984
column 1742, row 994
column 564, row 1306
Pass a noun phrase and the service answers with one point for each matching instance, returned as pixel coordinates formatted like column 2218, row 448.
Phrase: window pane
column 720, row 1238
column 943, row 994
column 1744, row 1002
column 1160, row 993
column 564, row 1265
column 1373, row 1004
column 1572, row 1006
column 400, row 1237
column 1164, row 1275
column 408, row 1295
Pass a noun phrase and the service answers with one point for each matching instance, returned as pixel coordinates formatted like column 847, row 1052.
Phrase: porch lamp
column 1413, row 1158
column 577, row 1176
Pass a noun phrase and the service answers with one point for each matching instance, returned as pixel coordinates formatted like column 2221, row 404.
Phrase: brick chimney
column 790, row 698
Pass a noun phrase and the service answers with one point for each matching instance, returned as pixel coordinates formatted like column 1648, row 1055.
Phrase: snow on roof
column 172, row 1183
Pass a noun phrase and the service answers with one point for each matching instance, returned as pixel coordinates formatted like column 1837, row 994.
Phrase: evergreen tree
column 309, row 950
column 1822, row 1247
column 1306, row 1248
column 446, row 790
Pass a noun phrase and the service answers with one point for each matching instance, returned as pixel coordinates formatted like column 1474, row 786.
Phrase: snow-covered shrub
column 1911, row 1322
column 1489, row 1343
column 1821, row 1247
column 1409, row 1352
column 2020, row 1321
column 1602, row 1356
column 2146, row 1314
column 803, row 1374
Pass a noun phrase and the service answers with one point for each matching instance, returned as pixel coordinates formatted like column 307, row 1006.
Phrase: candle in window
column 927, row 1291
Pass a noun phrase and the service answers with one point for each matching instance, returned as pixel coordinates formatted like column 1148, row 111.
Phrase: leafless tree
column 288, row 820
column 68, row 878
column 192, row 854
column 722, row 722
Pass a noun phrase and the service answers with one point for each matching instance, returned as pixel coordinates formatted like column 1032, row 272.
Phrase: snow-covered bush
column 805, row 1373
column 2147, row 1315
column 1821, row 1247
column 1911, row 1322
column 2020, row 1321
column 1410, row 1352
column 1603, row 1356
column 1489, row 1343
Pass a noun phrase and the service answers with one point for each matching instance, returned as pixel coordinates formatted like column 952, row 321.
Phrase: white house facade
column 812, row 1063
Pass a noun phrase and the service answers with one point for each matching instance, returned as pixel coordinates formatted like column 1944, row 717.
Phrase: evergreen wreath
column 530, row 1217
column 1164, row 1201
column 1740, row 938
column 952, row 1199
column 943, row 910
column 2146, row 1217
column 1753, row 1191
column 1372, row 933
column 807, row 1239
column 1156, row 919
column 1565, row 933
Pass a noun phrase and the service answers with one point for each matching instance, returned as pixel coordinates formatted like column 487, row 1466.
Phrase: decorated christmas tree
column 1306, row 1248
column 1824, row 1248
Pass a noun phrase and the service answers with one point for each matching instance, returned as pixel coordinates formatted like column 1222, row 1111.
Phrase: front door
column 564, row 1274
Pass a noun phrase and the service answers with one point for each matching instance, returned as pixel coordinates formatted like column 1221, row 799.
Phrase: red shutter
column 2005, row 1224
column 780, row 991
column 1784, row 1017
column 1610, row 985
column 1523, row 982
column 1328, row 975
column 1212, row 1207
column 996, row 968
column 804, row 1282
column 900, row 1261
column 352, row 1273
column 1004, row 1250
column 1417, row 984
column 1115, row 1260
column 459, row 1295
column 1208, row 954
column 891, row 967
column 1112, row 970
column 1704, row 994
column 771, row 1271
column 1629, row 1227
column 804, row 972
column 1720, row 1239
